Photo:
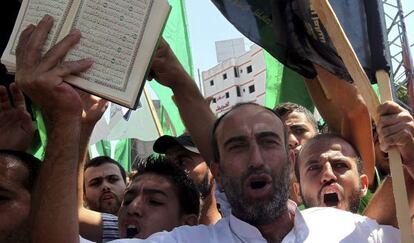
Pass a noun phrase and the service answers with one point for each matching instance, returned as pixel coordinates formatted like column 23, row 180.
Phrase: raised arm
column 194, row 110
column 54, row 210
column 90, row 222
column 395, row 129
column 16, row 126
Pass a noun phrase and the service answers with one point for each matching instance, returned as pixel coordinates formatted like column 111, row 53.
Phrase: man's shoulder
column 332, row 222
column 326, row 215
column 329, row 211
column 186, row 234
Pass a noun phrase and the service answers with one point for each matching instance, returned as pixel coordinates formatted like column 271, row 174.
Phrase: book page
column 34, row 10
column 111, row 34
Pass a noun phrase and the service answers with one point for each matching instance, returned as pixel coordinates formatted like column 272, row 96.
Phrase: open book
column 120, row 36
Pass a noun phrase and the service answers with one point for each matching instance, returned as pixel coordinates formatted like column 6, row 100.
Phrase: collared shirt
column 311, row 225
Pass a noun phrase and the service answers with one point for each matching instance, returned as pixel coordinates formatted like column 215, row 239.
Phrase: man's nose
column 293, row 141
column 256, row 159
column 106, row 186
column 327, row 173
column 136, row 207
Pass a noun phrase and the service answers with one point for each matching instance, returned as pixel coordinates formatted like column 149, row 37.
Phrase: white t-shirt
column 316, row 225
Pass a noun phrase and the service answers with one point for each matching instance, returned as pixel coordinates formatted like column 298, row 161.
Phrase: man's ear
column 215, row 170
column 297, row 192
column 189, row 219
column 364, row 184
column 292, row 158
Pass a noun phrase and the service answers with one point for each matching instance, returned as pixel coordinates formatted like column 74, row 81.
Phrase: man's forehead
column 250, row 115
column 102, row 170
column 296, row 117
column 335, row 145
column 151, row 181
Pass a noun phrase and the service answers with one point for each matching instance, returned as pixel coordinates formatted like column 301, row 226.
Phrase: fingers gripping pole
column 397, row 173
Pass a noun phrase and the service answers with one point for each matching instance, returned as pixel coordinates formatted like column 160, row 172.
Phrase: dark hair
column 100, row 160
column 187, row 193
column 323, row 136
column 29, row 161
column 216, row 152
column 286, row 108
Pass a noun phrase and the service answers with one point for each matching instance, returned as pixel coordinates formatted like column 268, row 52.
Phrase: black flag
column 291, row 31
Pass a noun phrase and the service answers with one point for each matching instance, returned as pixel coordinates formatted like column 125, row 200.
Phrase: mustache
column 328, row 183
column 251, row 172
column 106, row 193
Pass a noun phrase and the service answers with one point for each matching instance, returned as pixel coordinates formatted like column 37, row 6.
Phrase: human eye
column 299, row 130
column 95, row 183
column 237, row 146
column 313, row 168
column 339, row 165
column 155, row 202
column 113, row 179
column 269, row 141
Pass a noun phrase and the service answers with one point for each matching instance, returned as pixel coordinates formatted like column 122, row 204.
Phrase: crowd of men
column 236, row 178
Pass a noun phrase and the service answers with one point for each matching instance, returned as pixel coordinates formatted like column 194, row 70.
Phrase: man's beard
column 205, row 186
column 353, row 202
column 258, row 212
column 112, row 209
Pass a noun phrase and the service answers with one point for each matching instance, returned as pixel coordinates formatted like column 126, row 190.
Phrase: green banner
column 284, row 85
column 176, row 34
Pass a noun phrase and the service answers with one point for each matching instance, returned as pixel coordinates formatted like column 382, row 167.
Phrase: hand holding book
column 120, row 36
column 41, row 76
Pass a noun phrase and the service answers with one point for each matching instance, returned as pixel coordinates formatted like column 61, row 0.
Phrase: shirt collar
column 247, row 231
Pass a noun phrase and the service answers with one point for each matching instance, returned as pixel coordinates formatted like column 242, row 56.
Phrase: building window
column 236, row 72
column 212, row 82
column 251, row 88
column 224, row 76
column 238, row 91
column 214, row 100
column 249, row 69
column 227, row 95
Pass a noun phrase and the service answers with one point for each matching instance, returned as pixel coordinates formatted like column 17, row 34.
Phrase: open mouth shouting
column 330, row 196
column 258, row 186
column 132, row 231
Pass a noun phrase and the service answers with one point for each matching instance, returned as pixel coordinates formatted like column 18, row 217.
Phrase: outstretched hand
column 396, row 129
column 16, row 128
column 41, row 76
column 167, row 69
column 93, row 108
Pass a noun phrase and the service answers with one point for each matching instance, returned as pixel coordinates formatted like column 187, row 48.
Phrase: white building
column 236, row 79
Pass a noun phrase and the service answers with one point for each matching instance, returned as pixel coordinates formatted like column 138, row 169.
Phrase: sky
column 207, row 25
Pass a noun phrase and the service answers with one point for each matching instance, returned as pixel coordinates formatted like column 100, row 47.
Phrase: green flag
column 283, row 85
column 176, row 34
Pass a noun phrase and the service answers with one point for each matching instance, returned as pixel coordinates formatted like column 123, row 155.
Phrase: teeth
column 330, row 190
